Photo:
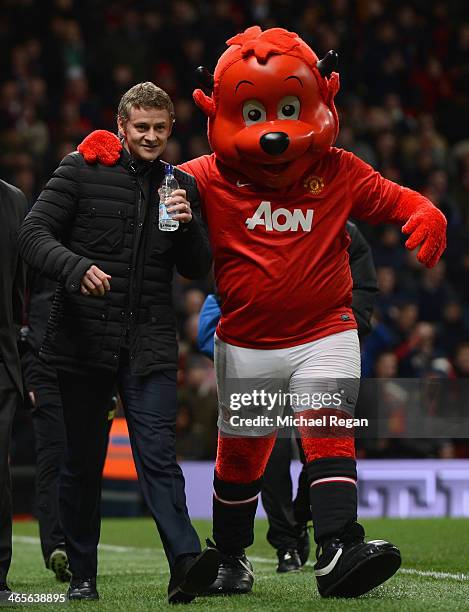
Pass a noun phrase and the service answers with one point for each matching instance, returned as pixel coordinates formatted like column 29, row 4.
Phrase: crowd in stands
column 403, row 107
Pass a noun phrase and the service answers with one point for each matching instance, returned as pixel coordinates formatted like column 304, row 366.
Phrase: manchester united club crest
column 314, row 184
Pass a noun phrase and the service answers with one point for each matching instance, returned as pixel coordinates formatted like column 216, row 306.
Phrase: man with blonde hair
column 95, row 230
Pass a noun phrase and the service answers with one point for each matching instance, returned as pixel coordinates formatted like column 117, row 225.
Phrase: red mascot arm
column 379, row 200
column 101, row 147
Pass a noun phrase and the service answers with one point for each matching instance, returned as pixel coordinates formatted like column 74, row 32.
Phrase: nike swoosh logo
column 330, row 566
column 238, row 184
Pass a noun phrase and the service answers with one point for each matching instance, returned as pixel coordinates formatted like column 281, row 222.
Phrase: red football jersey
column 281, row 259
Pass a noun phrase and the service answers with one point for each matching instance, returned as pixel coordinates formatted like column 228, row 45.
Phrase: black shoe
column 82, row 588
column 58, row 563
column 304, row 546
column 5, row 593
column 192, row 575
column 235, row 575
column 348, row 566
column 288, row 561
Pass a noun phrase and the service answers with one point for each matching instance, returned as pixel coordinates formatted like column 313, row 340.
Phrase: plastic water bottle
column 168, row 185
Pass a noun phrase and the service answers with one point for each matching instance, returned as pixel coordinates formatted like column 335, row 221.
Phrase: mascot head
column 271, row 113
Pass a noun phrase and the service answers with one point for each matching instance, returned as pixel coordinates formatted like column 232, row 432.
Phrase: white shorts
column 261, row 383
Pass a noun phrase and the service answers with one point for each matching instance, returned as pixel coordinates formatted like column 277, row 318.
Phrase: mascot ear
column 204, row 102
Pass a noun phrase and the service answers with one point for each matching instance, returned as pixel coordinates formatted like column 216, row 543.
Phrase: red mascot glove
column 426, row 227
column 101, row 147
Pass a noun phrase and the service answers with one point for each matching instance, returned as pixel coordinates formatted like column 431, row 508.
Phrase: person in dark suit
column 47, row 418
column 13, row 208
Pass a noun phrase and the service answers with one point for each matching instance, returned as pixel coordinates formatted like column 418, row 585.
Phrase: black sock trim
column 331, row 466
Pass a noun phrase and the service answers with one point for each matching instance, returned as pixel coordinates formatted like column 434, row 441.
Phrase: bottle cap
column 168, row 169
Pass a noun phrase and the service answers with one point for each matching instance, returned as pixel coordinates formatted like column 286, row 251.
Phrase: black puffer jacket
column 108, row 216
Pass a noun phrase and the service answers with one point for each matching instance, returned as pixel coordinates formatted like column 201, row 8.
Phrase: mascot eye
column 289, row 108
column 253, row 112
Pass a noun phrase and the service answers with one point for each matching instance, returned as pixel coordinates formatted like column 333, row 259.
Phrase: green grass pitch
column 133, row 572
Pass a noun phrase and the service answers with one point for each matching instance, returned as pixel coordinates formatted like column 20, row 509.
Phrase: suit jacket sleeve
column 12, row 213
column 365, row 285
column 50, row 219
column 19, row 284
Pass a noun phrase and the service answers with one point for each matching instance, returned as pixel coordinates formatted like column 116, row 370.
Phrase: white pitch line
column 106, row 547
column 403, row 570
column 438, row 575
column 158, row 551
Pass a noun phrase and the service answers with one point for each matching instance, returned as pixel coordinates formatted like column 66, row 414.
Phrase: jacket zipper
column 133, row 281
column 136, row 237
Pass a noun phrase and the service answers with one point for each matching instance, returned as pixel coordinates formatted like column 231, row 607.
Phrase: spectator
column 190, row 443
column 461, row 360
column 452, row 327
column 434, row 292
column 417, row 352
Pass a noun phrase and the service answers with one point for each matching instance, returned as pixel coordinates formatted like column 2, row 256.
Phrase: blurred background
column 403, row 106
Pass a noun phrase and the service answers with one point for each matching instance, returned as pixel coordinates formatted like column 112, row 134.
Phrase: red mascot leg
column 237, row 482
column 319, row 448
column 242, row 460
column 332, row 475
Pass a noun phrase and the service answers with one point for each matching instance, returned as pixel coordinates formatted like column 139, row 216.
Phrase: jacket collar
column 136, row 166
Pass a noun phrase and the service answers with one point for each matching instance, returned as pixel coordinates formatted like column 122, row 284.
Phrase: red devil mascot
column 276, row 197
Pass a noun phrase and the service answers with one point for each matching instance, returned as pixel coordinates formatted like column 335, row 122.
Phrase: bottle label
column 169, row 184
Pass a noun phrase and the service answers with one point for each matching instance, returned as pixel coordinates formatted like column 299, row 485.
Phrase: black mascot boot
column 234, row 510
column 347, row 566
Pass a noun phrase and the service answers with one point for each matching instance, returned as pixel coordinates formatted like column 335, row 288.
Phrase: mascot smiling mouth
column 275, row 168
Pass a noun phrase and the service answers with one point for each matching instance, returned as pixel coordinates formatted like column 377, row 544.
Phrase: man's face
column 146, row 132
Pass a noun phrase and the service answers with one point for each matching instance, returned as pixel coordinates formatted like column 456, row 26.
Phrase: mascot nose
column 275, row 143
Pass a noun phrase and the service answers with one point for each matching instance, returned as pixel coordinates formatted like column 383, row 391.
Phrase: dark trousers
column 287, row 517
column 9, row 397
column 49, row 434
column 150, row 409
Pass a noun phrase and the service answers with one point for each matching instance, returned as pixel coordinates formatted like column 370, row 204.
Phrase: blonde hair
column 144, row 95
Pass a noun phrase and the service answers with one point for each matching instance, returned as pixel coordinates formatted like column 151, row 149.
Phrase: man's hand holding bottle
column 178, row 207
